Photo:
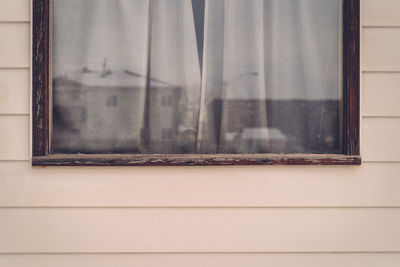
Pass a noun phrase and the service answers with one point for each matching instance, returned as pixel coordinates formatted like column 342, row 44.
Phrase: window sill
column 194, row 160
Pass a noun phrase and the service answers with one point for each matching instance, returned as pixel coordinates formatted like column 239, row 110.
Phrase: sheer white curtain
column 146, row 46
column 257, row 50
column 258, row 58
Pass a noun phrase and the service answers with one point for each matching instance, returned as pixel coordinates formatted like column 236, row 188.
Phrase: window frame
column 41, row 108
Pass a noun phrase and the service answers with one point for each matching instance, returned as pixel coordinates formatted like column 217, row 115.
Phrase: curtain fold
column 239, row 78
column 174, row 78
column 196, row 76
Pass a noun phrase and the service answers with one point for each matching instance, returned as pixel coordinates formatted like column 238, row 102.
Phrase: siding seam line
column 200, row 252
column 194, row 207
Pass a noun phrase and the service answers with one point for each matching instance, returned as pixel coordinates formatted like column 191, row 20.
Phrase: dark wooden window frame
column 42, row 105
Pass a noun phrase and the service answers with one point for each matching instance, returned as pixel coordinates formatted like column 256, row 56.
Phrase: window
column 195, row 82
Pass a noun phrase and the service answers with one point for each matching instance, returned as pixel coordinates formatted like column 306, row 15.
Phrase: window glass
column 197, row 76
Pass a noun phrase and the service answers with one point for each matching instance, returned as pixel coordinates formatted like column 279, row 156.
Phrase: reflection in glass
column 196, row 76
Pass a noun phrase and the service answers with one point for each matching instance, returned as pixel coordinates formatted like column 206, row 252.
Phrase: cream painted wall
column 211, row 216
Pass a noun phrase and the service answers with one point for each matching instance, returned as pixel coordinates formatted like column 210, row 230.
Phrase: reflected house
column 109, row 112
column 293, row 126
column 103, row 112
